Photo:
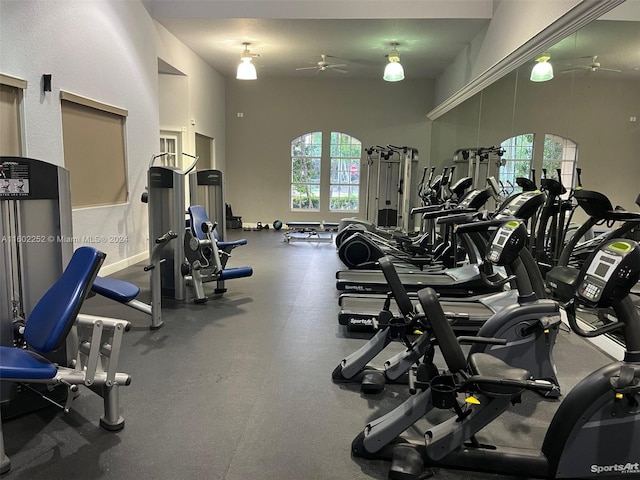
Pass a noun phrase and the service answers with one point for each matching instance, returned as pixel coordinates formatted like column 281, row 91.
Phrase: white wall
column 205, row 95
column 101, row 50
column 106, row 51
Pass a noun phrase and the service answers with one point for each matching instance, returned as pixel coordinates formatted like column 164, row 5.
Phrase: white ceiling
column 426, row 46
column 293, row 34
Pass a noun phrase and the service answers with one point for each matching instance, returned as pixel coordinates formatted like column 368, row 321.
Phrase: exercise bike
column 522, row 328
column 594, row 433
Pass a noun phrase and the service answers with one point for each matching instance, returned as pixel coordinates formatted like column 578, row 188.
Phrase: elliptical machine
column 593, row 434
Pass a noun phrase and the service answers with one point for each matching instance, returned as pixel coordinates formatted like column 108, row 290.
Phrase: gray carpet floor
column 240, row 388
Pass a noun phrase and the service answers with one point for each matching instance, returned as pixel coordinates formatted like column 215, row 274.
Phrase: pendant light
column 542, row 71
column 394, row 72
column 246, row 69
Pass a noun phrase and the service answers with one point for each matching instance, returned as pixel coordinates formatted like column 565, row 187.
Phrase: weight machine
column 395, row 169
column 47, row 347
column 166, row 198
column 477, row 159
column 36, row 243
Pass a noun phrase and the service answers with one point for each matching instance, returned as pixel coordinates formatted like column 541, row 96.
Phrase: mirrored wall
column 587, row 116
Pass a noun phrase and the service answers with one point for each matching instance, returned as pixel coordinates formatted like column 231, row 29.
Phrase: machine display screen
column 501, row 239
column 603, row 265
column 14, row 179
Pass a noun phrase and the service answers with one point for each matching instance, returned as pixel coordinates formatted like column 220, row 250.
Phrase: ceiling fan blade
column 307, row 68
column 340, row 70
column 337, row 65
column 571, row 70
column 610, row 70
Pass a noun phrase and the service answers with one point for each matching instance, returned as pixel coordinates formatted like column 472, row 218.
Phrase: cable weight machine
column 392, row 203
column 36, row 243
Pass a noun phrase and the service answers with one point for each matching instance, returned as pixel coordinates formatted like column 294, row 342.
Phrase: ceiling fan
column 323, row 65
column 594, row 66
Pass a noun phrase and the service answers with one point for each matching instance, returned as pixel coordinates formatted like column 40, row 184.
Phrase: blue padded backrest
column 53, row 316
column 199, row 216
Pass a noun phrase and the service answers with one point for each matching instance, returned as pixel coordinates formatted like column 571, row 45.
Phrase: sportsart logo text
column 617, row 467
column 361, row 321
column 354, row 287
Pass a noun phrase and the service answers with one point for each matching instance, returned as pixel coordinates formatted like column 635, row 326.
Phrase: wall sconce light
column 542, row 71
column 393, row 72
column 246, row 69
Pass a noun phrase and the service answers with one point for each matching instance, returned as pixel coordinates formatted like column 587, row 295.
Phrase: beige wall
column 275, row 111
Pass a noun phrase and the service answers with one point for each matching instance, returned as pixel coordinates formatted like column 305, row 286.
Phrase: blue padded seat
column 235, row 243
column 17, row 363
column 117, row 290
column 199, row 216
column 51, row 320
column 236, row 272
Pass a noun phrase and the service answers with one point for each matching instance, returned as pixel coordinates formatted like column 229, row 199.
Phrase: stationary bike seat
column 485, row 365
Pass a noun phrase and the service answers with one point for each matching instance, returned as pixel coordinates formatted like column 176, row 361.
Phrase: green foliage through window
column 306, row 154
column 517, row 160
column 560, row 153
column 345, row 172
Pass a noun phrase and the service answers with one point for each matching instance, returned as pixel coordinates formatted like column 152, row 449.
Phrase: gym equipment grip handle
column 570, row 308
column 170, row 235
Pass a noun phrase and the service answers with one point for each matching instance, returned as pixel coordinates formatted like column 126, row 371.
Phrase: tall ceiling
column 290, row 34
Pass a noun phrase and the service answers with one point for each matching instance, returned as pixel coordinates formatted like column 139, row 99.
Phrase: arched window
column 560, row 154
column 343, row 181
column 345, row 173
column 517, row 158
column 306, row 155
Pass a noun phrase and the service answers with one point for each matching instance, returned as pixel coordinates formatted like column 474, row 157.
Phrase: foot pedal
column 555, row 393
column 406, row 464
column 372, row 383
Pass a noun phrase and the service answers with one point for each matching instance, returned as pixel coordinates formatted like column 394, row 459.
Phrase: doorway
column 205, row 149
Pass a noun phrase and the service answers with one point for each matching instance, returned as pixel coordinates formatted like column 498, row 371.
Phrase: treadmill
column 359, row 313
column 461, row 281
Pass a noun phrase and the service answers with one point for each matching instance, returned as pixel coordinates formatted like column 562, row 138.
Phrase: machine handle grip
column 484, row 340
column 170, row 235
column 487, row 281
column 536, row 385
column 570, row 308
column 154, row 157
column 193, row 165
